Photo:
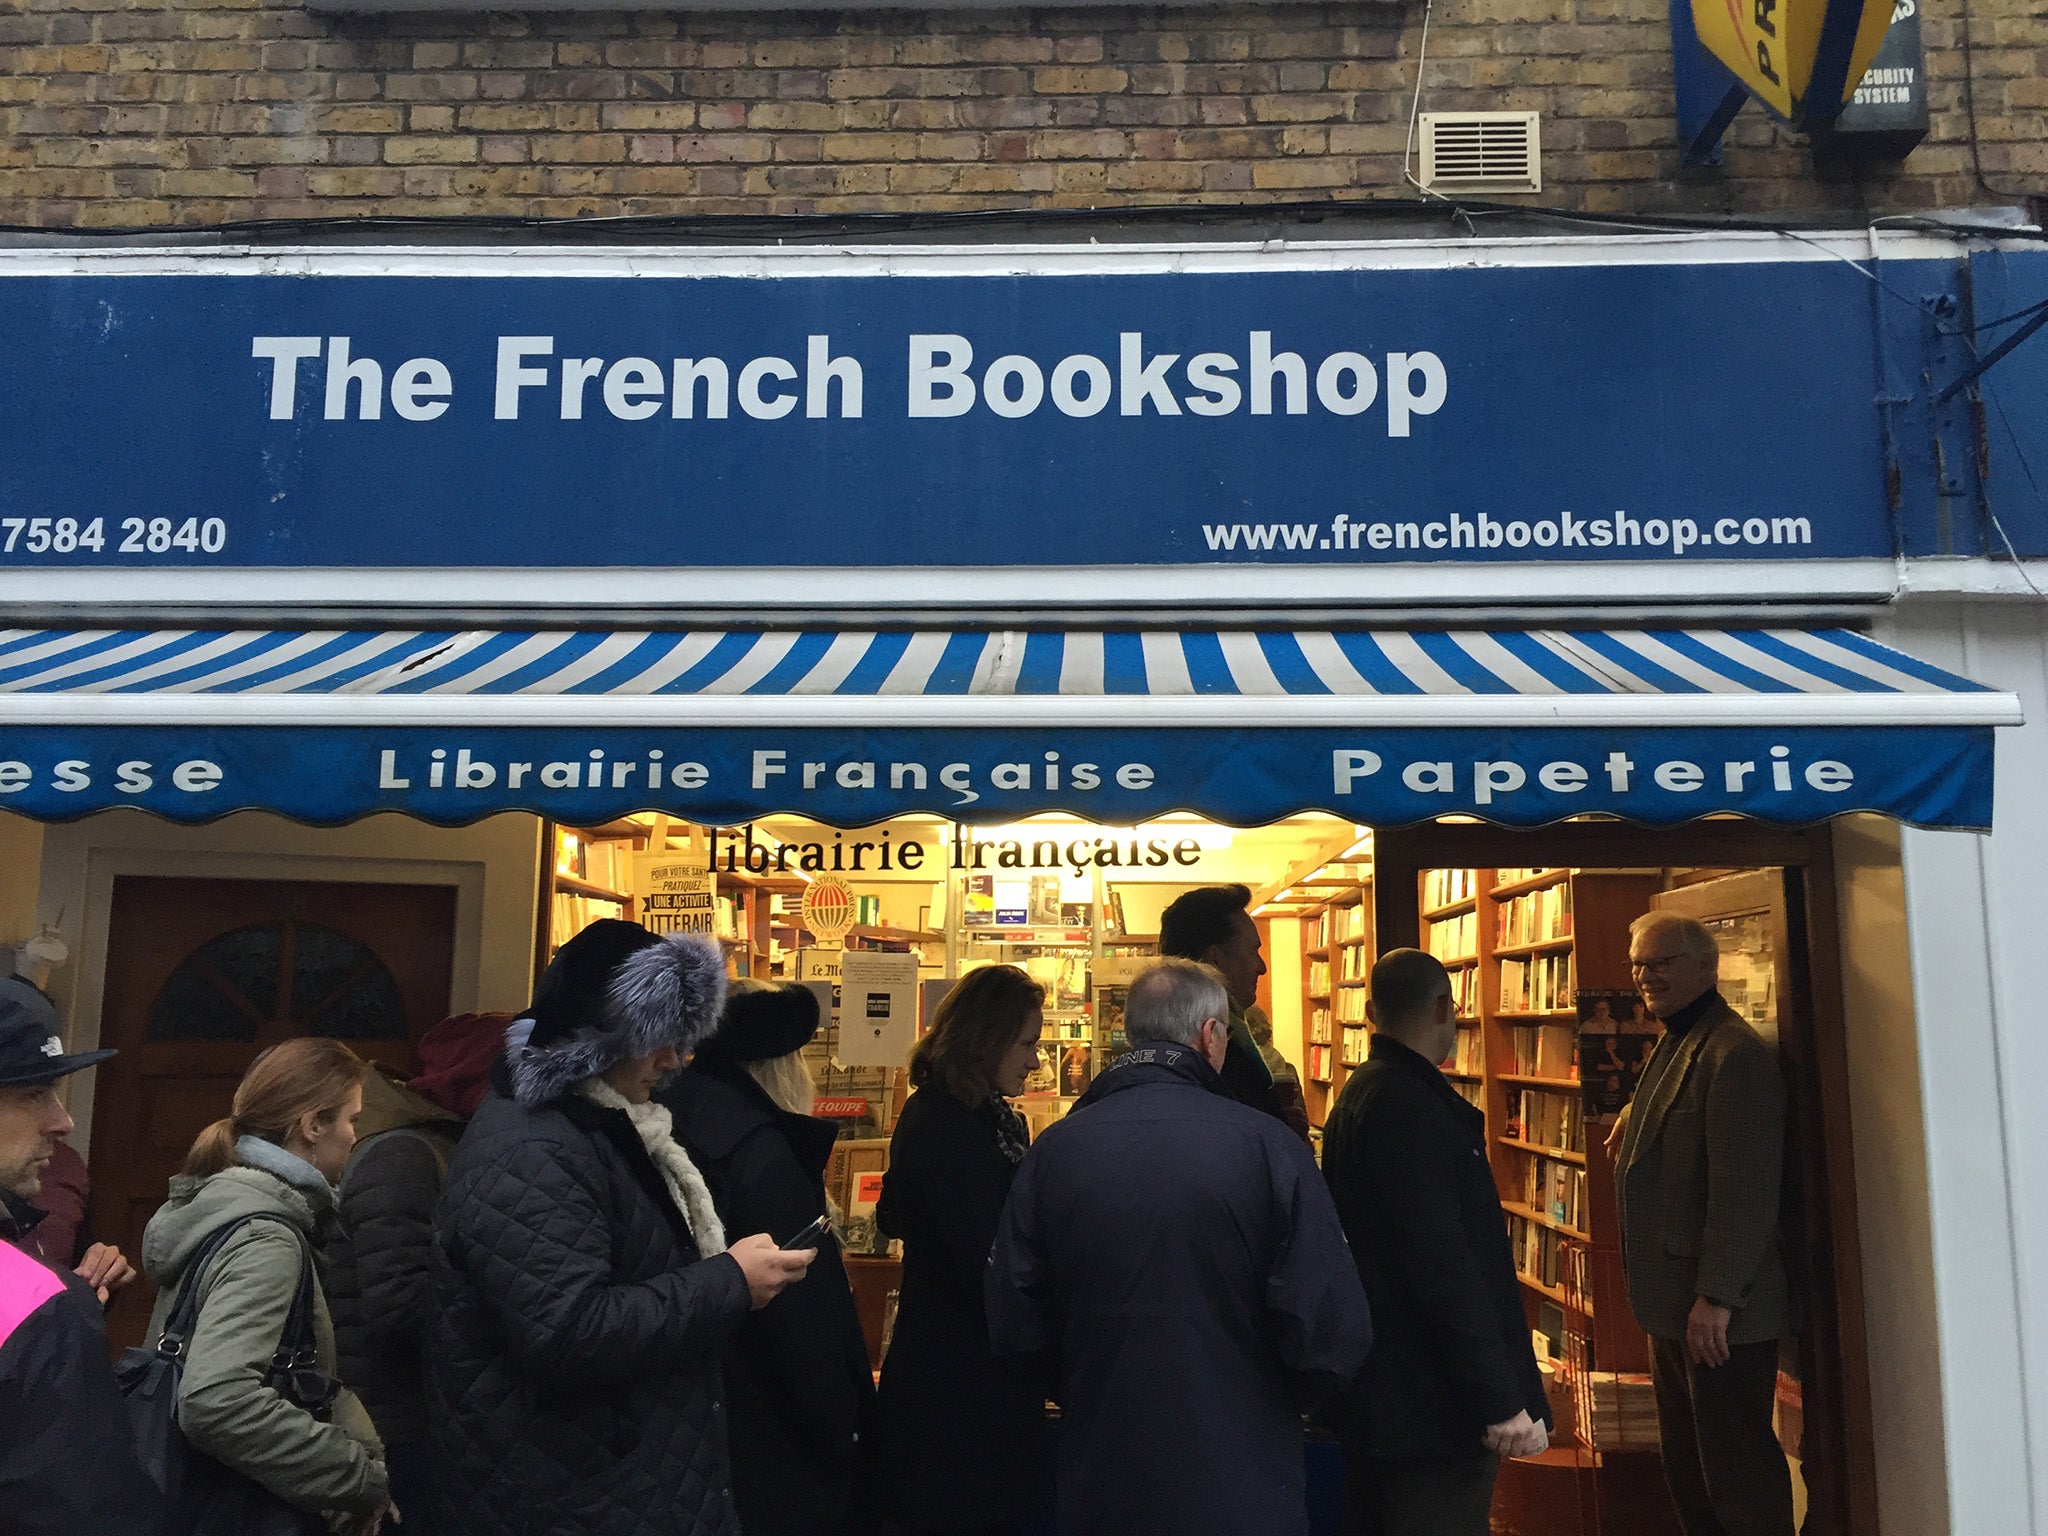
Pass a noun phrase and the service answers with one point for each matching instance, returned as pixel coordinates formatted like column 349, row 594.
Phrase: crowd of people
column 572, row 1279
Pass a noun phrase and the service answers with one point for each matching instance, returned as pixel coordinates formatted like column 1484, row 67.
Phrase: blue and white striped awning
column 977, row 678
column 853, row 727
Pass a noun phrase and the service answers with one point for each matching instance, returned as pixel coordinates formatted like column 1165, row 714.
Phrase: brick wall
column 196, row 111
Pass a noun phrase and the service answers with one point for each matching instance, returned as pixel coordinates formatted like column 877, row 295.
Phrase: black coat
column 797, row 1380
column 1177, row 1255
column 961, row 1435
column 573, row 1383
column 1405, row 1157
column 379, row 1273
column 67, row 1462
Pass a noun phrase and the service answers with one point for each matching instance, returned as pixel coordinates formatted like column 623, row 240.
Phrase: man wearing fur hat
column 583, row 1280
column 799, row 1387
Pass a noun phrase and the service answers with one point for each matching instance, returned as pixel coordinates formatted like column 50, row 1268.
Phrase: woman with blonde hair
column 962, row 1435
column 267, row 1171
column 799, row 1389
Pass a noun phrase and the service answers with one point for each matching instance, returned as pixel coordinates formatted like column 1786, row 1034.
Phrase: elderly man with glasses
column 1697, row 1184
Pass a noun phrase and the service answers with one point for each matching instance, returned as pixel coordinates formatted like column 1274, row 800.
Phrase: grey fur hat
column 612, row 993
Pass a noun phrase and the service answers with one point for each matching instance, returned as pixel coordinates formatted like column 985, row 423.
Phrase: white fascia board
column 957, row 259
column 1019, row 711
column 812, row 589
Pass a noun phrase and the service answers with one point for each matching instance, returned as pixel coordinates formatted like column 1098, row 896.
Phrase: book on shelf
column 1470, row 1051
column 605, row 861
column 572, row 914
column 1537, row 983
column 1356, row 966
column 1357, row 1045
column 1319, row 1024
column 1319, row 978
column 1538, row 1250
column 1319, row 1063
column 1465, row 991
column 1454, row 938
column 1317, row 931
column 1546, row 1050
column 1534, row 917
column 1546, row 1117
column 1556, row 1189
column 1441, row 887
column 1350, row 923
column 1350, row 1005
column 1472, row 1093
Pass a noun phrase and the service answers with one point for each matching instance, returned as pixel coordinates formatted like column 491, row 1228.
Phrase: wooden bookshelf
column 1336, row 974
column 1536, row 938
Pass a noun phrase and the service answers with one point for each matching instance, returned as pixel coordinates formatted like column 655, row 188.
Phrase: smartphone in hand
column 810, row 1237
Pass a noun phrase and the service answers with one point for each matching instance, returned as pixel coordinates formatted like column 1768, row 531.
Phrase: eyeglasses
column 1658, row 964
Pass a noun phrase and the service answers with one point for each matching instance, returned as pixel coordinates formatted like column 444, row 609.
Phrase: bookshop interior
column 1551, row 1041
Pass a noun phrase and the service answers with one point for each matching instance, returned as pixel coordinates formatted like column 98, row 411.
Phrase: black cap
column 762, row 1023
column 31, row 1050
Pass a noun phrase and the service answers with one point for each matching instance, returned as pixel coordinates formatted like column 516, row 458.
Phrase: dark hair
column 1406, row 983
column 307, row 1075
column 974, row 1028
column 1201, row 918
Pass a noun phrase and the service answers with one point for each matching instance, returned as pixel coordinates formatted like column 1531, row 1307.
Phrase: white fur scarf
column 686, row 1185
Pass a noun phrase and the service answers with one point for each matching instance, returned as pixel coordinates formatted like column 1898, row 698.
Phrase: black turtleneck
column 1683, row 1019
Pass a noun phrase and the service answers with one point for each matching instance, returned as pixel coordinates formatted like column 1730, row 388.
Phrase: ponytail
column 300, row 1077
column 213, row 1151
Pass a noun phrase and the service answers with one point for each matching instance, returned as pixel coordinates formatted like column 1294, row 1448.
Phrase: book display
column 1336, row 971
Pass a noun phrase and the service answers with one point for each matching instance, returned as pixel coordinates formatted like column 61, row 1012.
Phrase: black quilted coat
column 573, row 1378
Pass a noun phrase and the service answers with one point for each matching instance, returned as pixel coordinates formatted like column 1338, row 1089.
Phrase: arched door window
column 279, row 979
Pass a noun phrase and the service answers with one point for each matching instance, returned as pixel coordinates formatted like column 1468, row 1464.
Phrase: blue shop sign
column 197, row 415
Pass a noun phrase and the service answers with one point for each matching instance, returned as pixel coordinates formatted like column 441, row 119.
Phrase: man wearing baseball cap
column 67, row 1463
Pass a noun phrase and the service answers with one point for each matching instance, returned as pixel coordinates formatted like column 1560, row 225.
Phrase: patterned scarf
column 1013, row 1137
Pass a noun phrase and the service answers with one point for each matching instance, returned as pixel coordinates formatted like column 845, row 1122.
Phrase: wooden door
column 201, row 976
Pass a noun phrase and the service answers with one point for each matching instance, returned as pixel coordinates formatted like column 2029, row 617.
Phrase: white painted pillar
column 1977, row 921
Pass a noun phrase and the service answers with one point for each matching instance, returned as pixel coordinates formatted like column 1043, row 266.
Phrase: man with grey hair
column 1696, row 1182
column 1173, row 1257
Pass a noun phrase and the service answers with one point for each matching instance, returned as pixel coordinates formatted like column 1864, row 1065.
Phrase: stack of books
column 1618, row 1411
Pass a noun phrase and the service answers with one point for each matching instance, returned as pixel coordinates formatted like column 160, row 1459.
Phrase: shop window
column 312, row 979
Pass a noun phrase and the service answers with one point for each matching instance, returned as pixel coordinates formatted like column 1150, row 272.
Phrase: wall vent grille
column 1481, row 152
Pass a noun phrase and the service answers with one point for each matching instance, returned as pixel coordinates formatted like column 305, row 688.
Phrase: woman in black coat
column 583, row 1284
column 963, row 1439
column 798, row 1387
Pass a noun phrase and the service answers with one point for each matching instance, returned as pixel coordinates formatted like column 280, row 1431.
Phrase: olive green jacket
column 227, row 1411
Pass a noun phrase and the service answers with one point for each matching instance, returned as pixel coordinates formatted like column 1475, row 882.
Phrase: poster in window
column 1616, row 1034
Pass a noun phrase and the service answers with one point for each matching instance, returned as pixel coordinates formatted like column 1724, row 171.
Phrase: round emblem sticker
column 827, row 909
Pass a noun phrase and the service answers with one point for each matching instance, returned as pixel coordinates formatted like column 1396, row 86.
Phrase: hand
column 1706, row 1333
column 105, row 1270
column 769, row 1270
column 1615, row 1136
column 374, row 1524
column 1519, row 1436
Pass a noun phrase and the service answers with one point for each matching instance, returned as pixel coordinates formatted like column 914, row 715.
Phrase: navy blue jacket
column 1176, row 1257
column 1405, row 1156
